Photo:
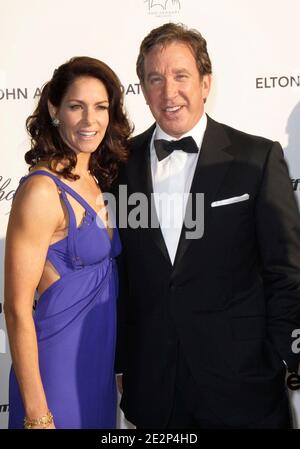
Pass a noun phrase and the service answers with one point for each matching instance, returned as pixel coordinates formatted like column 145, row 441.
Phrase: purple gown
column 75, row 320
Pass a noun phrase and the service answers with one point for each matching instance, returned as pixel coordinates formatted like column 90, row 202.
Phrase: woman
column 63, row 354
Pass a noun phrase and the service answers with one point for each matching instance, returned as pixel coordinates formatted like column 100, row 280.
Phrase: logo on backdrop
column 4, row 408
column 163, row 8
column 277, row 82
column 24, row 93
column 18, row 93
column 131, row 88
column 296, row 184
column 293, row 380
column 6, row 193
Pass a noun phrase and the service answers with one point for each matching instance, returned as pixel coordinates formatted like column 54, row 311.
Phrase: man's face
column 173, row 88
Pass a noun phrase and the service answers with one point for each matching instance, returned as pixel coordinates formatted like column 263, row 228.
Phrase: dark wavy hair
column 175, row 32
column 46, row 142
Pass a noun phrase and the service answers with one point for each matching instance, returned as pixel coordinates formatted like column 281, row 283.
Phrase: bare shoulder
column 37, row 195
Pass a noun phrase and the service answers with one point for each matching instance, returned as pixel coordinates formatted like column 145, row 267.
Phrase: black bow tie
column 164, row 147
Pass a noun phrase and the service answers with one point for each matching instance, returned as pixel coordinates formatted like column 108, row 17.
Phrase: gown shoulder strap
column 72, row 219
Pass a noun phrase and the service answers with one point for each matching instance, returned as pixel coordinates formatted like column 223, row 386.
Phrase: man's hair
column 169, row 33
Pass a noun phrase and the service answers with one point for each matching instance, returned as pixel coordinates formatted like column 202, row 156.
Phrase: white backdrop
column 253, row 45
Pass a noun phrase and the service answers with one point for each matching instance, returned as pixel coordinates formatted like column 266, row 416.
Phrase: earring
column 55, row 122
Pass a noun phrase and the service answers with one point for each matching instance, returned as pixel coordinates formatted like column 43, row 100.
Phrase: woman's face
column 83, row 114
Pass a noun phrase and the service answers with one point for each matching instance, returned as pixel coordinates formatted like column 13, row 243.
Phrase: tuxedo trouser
column 190, row 410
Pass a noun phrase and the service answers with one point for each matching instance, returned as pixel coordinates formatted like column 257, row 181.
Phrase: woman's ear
column 53, row 114
column 52, row 110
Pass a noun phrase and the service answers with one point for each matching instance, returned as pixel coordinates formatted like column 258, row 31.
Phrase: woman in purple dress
column 61, row 243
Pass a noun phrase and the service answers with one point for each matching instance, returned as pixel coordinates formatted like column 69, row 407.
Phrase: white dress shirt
column 172, row 179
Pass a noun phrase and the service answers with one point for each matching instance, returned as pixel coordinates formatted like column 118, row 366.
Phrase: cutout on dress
column 50, row 276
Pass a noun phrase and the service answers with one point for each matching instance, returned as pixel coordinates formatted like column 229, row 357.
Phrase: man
column 206, row 312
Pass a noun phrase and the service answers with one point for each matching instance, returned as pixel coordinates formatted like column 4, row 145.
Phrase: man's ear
column 206, row 84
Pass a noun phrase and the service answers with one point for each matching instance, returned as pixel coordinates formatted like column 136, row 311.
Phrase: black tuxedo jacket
column 232, row 298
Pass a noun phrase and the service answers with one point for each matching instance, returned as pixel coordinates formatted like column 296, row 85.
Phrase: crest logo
column 163, row 8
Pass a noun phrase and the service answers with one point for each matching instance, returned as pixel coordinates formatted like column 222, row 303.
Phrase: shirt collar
column 197, row 132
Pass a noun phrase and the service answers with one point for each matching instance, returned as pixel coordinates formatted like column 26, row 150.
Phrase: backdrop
column 254, row 48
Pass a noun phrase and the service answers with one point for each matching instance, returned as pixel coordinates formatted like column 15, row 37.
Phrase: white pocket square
column 234, row 199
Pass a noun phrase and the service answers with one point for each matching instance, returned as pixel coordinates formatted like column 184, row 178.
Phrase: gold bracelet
column 44, row 421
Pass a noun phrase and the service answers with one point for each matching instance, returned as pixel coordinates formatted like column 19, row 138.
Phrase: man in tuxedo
column 208, row 305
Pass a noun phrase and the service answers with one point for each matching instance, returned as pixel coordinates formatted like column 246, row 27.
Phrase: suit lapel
column 142, row 177
column 212, row 165
column 213, row 162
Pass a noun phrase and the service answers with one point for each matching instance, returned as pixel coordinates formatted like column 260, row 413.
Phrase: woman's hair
column 169, row 33
column 46, row 142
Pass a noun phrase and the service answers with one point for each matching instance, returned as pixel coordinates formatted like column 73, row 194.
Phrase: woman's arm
column 35, row 216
